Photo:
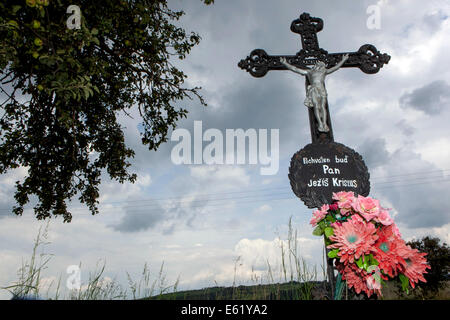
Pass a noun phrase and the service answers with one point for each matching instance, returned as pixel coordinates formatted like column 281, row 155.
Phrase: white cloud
column 220, row 177
column 263, row 209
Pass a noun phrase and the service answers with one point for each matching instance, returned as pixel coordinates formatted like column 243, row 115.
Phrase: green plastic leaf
column 329, row 231
column 365, row 261
column 405, row 282
column 318, row 231
column 359, row 263
column 333, row 253
column 373, row 261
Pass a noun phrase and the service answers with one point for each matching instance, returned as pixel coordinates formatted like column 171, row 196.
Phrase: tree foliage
column 438, row 257
column 62, row 90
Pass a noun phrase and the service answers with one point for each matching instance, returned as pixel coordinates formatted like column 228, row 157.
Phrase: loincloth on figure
column 312, row 91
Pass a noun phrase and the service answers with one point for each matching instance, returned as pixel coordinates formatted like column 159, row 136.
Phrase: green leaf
column 15, row 9
column 365, row 262
column 77, row 70
column 322, row 224
column 318, row 231
column 359, row 262
column 333, row 253
column 373, row 261
column 405, row 282
column 329, row 231
column 86, row 93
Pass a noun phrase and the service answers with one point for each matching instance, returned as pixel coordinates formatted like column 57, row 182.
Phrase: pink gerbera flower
column 369, row 208
column 318, row 215
column 416, row 265
column 353, row 238
column 387, row 254
column 344, row 201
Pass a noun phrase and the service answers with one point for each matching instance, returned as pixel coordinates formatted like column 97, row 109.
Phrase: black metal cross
column 367, row 58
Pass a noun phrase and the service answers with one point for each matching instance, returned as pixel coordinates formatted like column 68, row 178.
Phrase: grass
column 29, row 274
column 293, row 279
column 98, row 287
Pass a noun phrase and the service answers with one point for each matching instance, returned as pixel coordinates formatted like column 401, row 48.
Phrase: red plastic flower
column 334, row 206
column 357, row 278
column 416, row 265
column 353, row 238
column 388, row 247
column 367, row 244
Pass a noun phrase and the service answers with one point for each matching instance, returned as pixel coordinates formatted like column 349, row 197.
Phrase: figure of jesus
column 316, row 94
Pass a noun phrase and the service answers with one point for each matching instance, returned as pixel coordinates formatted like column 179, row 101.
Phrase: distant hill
column 313, row 290
column 285, row 291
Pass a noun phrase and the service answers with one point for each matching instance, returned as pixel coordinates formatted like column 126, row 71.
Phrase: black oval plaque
column 319, row 169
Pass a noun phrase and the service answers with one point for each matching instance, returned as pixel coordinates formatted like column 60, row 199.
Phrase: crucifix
column 368, row 59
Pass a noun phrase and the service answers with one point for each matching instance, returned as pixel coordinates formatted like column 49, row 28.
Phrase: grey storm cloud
column 276, row 100
column 153, row 216
column 134, row 221
column 262, row 105
column 434, row 20
column 431, row 98
column 406, row 128
column 419, row 195
column 230, row 30
column 374, row 152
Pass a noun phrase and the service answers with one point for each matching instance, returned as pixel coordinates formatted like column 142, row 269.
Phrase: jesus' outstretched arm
column 340, row 64
column 292, row 68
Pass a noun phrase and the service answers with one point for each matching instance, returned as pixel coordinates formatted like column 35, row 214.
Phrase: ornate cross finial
column 367, row 58
column 308, row 27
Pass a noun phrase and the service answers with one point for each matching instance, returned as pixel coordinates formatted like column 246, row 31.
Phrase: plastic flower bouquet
column 366, row 245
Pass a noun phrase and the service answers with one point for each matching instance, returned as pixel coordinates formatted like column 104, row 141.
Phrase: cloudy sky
column 199, row 219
